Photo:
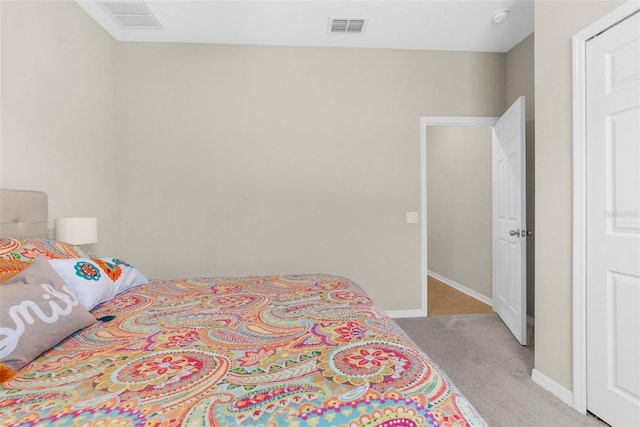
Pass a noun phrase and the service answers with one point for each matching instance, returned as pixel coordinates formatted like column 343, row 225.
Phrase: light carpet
column 492, row 370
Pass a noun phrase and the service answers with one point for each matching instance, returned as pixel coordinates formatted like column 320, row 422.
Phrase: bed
column 310, row 350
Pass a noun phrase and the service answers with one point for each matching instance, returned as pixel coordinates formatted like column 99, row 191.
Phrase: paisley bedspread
column 259, row 351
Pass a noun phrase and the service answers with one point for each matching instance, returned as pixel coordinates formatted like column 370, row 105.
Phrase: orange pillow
column 6, row 373
column 29, row 249
column 11, row 267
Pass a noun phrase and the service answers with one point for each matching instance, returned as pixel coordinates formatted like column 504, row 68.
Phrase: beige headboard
column 23, row 214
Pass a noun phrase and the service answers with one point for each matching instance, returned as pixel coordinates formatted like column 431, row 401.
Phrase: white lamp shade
column 77, row 231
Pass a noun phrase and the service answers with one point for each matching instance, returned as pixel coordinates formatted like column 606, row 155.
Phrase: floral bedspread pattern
column 260, row 351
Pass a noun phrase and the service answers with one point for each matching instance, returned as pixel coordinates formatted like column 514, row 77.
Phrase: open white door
column 509, row 220
column 613, row 223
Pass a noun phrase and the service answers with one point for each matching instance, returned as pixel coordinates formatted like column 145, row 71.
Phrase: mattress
column 261, row 351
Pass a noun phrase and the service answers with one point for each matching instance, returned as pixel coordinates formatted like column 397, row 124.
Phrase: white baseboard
column 477, row 295
column 399, row 314
column 552, row 387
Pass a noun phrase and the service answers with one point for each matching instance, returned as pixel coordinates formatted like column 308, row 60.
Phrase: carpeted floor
column 492, row 370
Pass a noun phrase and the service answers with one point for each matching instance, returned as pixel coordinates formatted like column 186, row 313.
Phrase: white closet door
column 613, row 224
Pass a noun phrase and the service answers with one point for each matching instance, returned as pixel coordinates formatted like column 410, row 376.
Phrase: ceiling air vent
column 347, row 25
column 131, row 14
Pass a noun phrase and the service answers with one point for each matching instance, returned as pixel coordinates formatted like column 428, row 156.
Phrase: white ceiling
column 392, row 24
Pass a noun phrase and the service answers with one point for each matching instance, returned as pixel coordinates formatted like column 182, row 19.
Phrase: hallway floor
column 444, row 300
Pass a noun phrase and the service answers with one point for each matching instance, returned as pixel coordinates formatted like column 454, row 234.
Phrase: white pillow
column 88, row 281
column 95, row 281
column 130, row 277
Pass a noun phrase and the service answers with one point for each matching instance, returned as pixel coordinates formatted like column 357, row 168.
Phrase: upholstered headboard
column 23, row 214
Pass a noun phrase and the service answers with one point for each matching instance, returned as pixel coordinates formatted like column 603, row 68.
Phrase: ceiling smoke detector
column 501, row 15
column 347, row 25
column 131, row 14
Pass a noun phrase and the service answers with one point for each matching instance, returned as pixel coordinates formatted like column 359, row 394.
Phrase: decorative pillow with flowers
column 94, row 280
column 17, row 254
column 129, row 277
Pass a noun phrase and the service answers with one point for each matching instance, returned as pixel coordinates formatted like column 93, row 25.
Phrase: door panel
column 613, row 224
column 509, row 261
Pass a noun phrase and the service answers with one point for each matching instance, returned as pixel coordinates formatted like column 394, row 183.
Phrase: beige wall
column 520, row 82
column 59, row 132
column 555, row 23
column 459, row 205
column 520, row 76
column 232, row 159
column 259, row 160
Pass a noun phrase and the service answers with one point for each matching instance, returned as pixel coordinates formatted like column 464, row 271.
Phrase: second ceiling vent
column 347, row 25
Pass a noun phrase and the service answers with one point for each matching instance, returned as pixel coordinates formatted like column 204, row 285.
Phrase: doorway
column 425, row 124
column 459, row 219
column 508, row 219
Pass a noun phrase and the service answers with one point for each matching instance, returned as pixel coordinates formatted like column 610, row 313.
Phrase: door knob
column 514, row 233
